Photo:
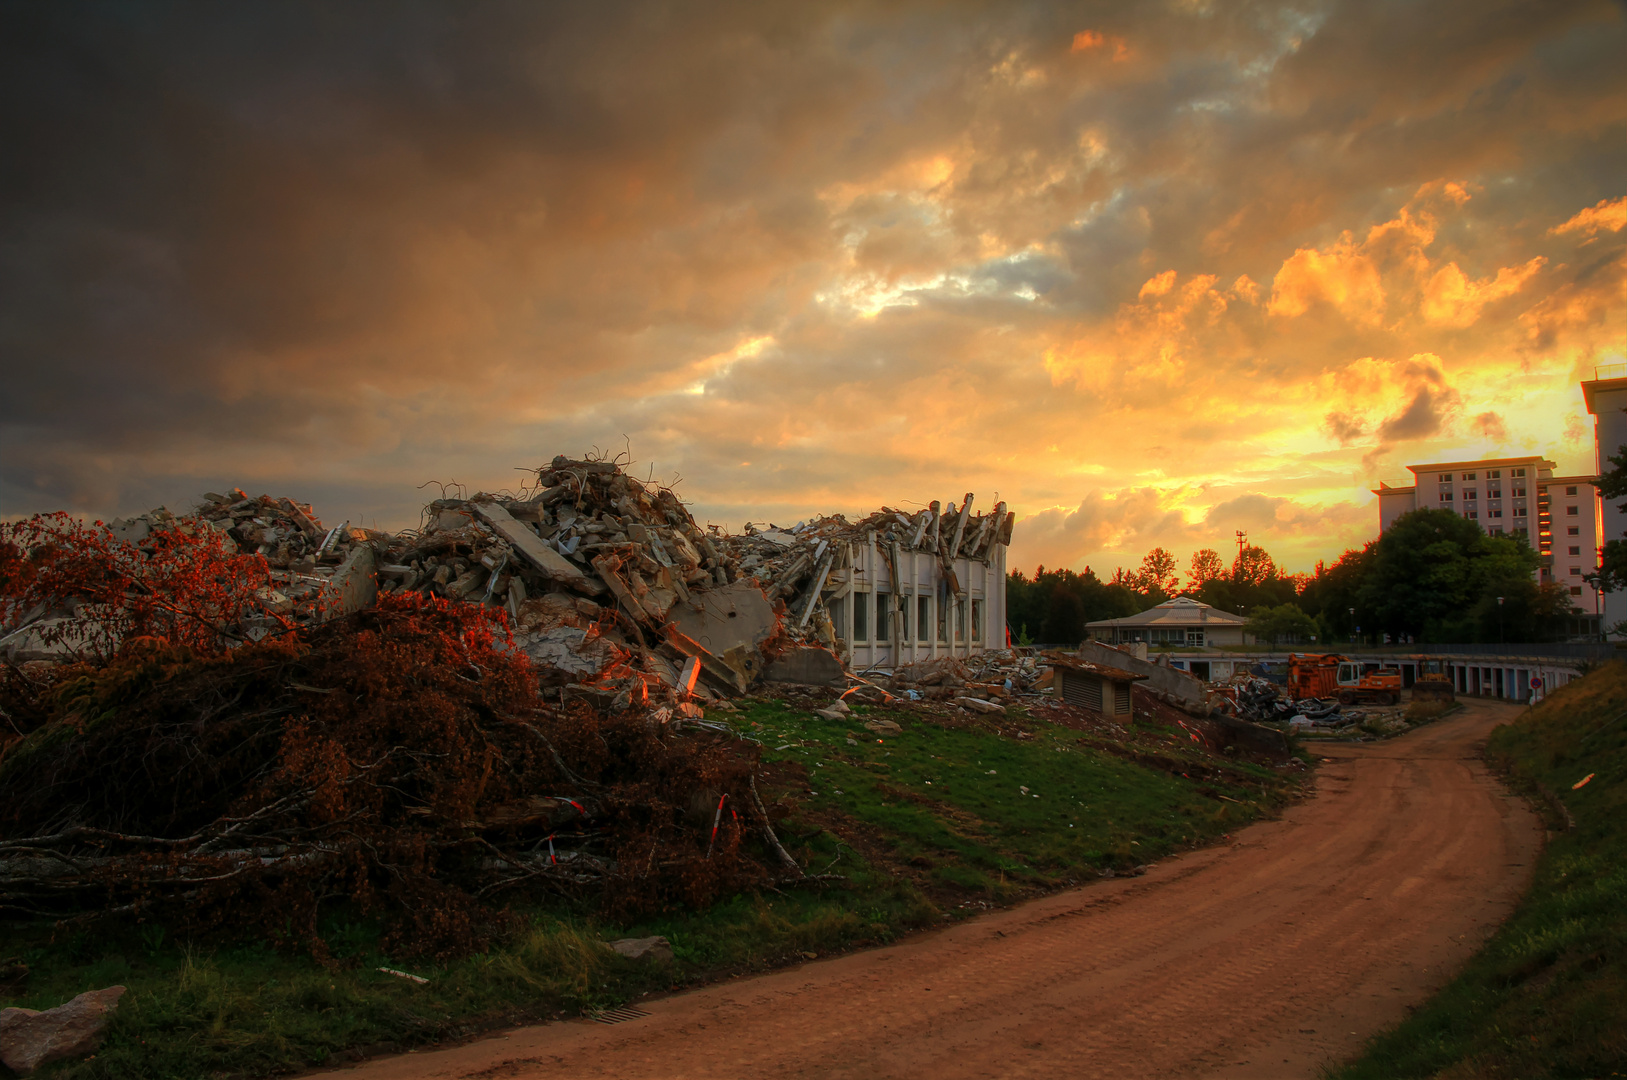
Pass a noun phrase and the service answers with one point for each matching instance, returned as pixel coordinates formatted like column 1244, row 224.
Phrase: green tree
column 1436, row 576
column 1253, row 567
column 1285, row 622
column 1334, row 590
column 1612, row 573
column 1158, row 574
column 1054, row 605
column 1206, row 567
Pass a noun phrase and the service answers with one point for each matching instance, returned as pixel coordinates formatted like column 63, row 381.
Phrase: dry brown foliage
column 400, row 758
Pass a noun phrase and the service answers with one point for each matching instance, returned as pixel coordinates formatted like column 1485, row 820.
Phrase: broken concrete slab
column 550, row 563
column 726, row 618
column 809, row 665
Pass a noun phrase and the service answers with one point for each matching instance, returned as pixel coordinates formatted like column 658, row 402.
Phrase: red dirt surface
column 1263, row 958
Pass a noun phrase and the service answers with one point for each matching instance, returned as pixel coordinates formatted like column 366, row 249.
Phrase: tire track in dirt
column 1264, row 958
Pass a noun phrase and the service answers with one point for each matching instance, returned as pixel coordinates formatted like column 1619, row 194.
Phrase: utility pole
column 1242, row 539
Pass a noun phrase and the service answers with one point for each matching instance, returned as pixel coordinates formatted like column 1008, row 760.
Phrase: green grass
column 976, row 807
column 1547, row 996
column 924, row 826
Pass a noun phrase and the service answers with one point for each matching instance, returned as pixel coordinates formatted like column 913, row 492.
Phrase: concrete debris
column 30, row 1038
column 992, row 676
column 612, row 589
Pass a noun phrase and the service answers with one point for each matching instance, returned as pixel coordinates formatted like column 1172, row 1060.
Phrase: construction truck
column 1434, row 682
column 1325, row 675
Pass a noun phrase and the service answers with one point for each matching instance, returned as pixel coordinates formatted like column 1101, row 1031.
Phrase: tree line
column 1433, row 576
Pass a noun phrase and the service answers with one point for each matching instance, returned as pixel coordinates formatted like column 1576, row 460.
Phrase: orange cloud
column 1606, row 214
column 1157, row 285
column 1451, row 299
column 1086, row 40
column 1342, row 276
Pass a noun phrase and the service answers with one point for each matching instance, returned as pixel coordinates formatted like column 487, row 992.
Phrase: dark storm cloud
column 805, row 255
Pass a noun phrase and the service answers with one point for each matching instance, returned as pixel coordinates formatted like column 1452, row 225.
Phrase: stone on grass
column 644, row 948
column 30, row 1038
column 883, row 727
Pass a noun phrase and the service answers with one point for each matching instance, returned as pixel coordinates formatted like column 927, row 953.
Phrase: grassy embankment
column 946, row 818
column 1547, row 996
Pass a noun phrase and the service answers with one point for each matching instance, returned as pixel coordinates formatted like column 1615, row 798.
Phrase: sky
column 1151, row 273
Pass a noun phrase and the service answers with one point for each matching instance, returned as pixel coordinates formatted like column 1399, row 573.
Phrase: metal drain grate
column 617, row 1016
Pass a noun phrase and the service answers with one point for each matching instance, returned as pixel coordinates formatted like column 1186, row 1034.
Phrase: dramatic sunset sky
column 1150, row 272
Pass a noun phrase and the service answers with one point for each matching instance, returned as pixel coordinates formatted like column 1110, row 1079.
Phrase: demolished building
column 614, row 590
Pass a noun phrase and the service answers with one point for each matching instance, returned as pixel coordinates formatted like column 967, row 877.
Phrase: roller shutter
column 1082, row 690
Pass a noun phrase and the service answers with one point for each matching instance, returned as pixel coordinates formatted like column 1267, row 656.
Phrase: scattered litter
column 1582, row 782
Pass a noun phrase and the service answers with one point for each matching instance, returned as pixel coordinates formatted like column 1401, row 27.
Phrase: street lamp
column 1499, row 620
column 1354, row 627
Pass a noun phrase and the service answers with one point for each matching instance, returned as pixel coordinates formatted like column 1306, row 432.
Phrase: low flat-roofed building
column 1182, row 621
column 1091, row 686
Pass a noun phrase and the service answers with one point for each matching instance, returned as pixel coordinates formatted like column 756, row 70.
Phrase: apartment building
column 1560, row 516
column 1606, row 398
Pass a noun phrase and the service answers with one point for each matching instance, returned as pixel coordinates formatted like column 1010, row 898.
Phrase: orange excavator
column 1325, row 675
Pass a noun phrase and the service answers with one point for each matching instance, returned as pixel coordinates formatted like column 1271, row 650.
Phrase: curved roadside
column 1266, row 957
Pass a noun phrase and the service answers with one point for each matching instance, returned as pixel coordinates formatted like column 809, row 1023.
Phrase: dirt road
column 1263, row 958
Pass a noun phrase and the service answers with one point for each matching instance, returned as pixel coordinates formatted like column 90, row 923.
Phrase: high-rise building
column 1560, row 516
column 1606, row 397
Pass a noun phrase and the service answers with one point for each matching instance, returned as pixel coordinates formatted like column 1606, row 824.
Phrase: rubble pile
column 611, row 587
column 988, row 676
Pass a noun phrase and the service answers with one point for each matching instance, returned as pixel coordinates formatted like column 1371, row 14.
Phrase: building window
column 1575, row 550
column 1516, row 472
column 960, row 620
column 943, row 619
column 1576, row 590
column 1519, row 491
column 1570, row 511
column 1496, row 530
column 923, row 618
column 1446, row 496
column 1576, row 571
column 1468, row 494
column 1570, row 491
column 1468, row 476
column 1445, row 478
column 1494, row 474
column 1573, row 530
column 1471, row 514
column 838, row 613
column 1494, row 493
column 977, row 620
column 861, row 616
column 1519, row 511
column 884, row 616
column 1494, row 512
column 1194, row 636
